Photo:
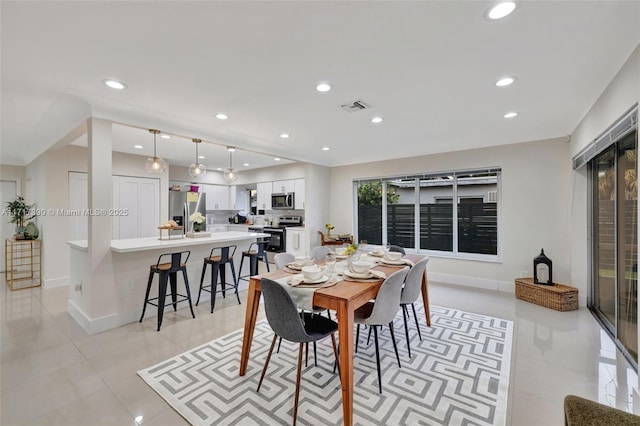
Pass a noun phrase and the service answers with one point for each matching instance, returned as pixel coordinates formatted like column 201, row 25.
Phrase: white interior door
column 8, row 192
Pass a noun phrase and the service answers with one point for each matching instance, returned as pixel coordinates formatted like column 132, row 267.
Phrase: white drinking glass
column 330, row 263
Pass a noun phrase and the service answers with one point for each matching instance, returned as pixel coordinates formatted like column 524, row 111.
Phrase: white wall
column 534, row 207
column 48, row 176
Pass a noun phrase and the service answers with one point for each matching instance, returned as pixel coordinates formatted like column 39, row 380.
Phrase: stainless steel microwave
column 283, row 201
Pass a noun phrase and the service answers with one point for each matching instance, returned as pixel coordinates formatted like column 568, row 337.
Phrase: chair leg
column 223, row 279
column 215, row 267
column 357, row 337
column 369, row 336
column 375, row 336
column 295, row 404
column 405, row 314
column 306, row 357
column 235, row 279
column 335, row 352
column 393, row 339
column 266, row 362
column 204, row 270
column 415, row 317
column 279, row 343
column 162, row 292
column 173, row 281
column 315, row 355
column 186, row 285
column 146, row 296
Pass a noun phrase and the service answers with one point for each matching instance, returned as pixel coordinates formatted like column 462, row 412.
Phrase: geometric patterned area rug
column 458, row 374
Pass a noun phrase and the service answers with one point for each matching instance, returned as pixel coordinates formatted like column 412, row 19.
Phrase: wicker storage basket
column 557, row 296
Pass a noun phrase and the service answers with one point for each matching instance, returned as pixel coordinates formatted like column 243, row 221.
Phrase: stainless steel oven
column 277, row 238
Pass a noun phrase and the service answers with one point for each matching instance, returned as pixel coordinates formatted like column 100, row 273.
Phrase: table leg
column 345, row 334
column 425, row 298
column 253, row 303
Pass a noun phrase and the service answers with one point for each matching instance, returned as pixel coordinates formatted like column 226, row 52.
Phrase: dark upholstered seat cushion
column 583, row 412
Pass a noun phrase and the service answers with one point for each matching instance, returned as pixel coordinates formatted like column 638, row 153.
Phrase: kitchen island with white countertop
column 152, row 243
column 112, row 293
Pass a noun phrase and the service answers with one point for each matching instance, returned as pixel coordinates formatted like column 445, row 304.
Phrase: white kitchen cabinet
column 283, row 186
column 241, row 199
column 233, row 198
column 217, row 196
column 264, row 195
column 297, row 242
column 216, row 228
column 299, row 186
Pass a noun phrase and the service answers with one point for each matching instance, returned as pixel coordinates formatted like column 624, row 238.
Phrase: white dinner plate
column 308, row 281
column 393, row 262
column 294, row 266
column 358, row 275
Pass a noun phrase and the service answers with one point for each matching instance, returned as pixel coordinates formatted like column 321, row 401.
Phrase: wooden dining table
column 344, row 298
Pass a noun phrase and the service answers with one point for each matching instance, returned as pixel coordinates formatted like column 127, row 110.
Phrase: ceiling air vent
column 355, row 106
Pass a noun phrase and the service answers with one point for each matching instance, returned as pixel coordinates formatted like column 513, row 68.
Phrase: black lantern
column 542, row 269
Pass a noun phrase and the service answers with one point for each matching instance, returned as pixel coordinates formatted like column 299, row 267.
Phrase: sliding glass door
column 615, row 245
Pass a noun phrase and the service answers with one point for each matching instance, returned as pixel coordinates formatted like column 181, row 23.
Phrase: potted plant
column 198, row 220
column 20, row 212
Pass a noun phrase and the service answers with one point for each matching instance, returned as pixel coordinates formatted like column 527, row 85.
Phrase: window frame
column 454, row 253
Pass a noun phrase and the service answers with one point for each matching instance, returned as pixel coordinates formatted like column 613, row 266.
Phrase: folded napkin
column 296, row 280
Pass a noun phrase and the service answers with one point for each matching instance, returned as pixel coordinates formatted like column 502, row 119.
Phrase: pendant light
column 155, row 164
column 197, row 169
column 230, row 174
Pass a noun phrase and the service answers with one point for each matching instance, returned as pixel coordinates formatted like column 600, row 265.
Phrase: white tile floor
column 53, row 373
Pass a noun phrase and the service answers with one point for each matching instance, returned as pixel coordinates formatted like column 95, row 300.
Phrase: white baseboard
column 97, row 325
column 55, row 282
column 482, row 283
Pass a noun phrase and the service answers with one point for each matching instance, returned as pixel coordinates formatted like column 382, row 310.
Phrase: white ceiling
column 427, row 67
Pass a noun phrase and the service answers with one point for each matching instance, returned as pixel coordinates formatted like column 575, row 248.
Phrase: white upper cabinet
column 299, row 185
column 264, row 195
column 283, row 186
column 217, row 196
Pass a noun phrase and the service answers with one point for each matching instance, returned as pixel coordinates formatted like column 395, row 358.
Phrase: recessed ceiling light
column 510, row 114
column 276, row 159
column 323, row 87
column 138, row 146
column 284, row 135
column 201, row 157
column 246, row 164
column 221, row 116
column 115, row 84
column 376, row 120
column 231, row 148
column 505, row 81
column 219, row 168
column 163, row 136
column 325, row 148
column 500, row 10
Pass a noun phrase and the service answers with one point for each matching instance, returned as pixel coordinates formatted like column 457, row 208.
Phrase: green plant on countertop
column 329, row 228
column 198, row 219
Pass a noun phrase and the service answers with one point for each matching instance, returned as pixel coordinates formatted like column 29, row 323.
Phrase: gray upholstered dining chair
column 291, row 325
column 381, row 312
column 319, row 252
column 397, row 249
column 281, row 259
column 410, row 293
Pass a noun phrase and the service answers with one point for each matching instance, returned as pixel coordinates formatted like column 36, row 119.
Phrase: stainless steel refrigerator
column 184, row 204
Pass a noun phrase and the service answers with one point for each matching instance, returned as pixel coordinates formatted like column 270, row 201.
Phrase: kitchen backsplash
column 270, row 216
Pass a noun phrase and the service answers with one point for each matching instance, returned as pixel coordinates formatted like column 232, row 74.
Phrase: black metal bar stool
column 167, row 271
column 257, row 251
column 218, row 259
